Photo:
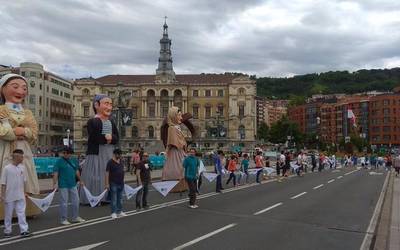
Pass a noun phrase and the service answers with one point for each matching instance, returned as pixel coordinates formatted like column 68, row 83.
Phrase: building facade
column 50, row 97
column 222, row 105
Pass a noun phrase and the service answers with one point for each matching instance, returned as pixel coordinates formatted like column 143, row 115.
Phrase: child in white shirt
column 13, row 180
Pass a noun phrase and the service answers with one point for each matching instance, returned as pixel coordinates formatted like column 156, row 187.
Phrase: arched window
column 135, row 132
column 178, row 98
column 151, row 132
column 242, row 132
column 241, row 91
column 151, row 103
column 164, row 99
column 85, row 92
column 241, row 110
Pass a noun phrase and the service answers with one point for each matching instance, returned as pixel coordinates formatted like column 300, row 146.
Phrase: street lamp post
column 68, row 133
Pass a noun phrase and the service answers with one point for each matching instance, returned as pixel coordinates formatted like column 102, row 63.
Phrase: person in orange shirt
column 232, row 169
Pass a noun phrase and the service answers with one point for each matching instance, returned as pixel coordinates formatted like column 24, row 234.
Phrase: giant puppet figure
column 102, row 138
column 18, row 130
column 175, row 144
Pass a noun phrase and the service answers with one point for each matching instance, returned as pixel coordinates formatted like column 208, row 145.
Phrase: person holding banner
column 191, row 166
column 218, row 159
column 259, row 165
column 102, row 138
column 65, row 175
column 244, row 168
column 13, row 186
column 143, row 175
column 115, row 183
column 202, row 169
column 232, row 169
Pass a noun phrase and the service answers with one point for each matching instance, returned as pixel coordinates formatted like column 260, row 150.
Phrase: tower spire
column 165, row 68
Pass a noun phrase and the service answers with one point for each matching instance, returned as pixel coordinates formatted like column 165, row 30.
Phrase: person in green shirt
column 191, row 166
column 244, row 168
column 66, row 174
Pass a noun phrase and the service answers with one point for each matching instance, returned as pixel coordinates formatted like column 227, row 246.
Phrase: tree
column 283, row 128
column 263, row 132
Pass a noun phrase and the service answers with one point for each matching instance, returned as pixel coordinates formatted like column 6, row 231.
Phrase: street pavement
column 328, row 210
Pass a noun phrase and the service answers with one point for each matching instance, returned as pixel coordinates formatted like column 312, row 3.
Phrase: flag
column 352, row 117
column 164, row 186
column 130, row 191
column 210, row 176
column 269, row 170
column 94, row 200
column 43, row 204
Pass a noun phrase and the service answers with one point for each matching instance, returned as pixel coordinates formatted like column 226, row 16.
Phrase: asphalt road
column 328, row 210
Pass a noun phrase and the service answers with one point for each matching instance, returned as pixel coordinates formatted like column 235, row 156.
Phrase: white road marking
column 91, row 246
column 204, row 237
column 319, row 186
column 297, row 196
column 351, row 172
column 340, row 177
column 268, row 208
column 330, row 181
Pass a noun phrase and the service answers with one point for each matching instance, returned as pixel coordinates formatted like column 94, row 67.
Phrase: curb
column 371, row 234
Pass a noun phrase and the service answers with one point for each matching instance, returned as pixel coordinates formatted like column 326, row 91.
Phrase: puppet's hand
column 19, row 131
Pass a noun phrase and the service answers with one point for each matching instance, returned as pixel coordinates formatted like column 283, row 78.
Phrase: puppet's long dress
column 10, row 119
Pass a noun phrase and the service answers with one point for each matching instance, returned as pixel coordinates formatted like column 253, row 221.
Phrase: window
column 40, row 100
column 152, row 110
column 220, row 92
column 195, row 112
column 241, row 91
column 24, row 74
column 85, row 92
column 67, row 95
column 134, row 112
column 111, row 93
column 241, row 111
column 195, row 93
column 386, row 129
column 151, row 132
column 386, row 111
column 178, row 98
column 386, row 102
column 84, row 131
column 32, row 74
column 40, row 86
column 242, row 132
column 86, row 110
column 122, row 132
column 208, row 112
column 135, row 132
column 164, row 99
column 55, row 91
column 32, row 99
column 220, row 110
column 208, row 93
column 47, row 89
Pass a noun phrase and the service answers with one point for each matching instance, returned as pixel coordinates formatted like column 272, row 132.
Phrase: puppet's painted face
column 104, row 107
column 15, row 91
column 179, row 117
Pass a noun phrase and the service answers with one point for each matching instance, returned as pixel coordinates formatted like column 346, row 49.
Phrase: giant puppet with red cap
column 18, row 129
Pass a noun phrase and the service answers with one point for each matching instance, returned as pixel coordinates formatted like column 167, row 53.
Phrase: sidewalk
column 46, row 185
column 394, row 238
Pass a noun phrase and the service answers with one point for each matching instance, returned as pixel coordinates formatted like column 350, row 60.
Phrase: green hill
column 329, row 83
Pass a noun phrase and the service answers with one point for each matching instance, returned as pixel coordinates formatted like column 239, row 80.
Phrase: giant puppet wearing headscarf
column 175, row 144
column 102, row 138
column 18, row 130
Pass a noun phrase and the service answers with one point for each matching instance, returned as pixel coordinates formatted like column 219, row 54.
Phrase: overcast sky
column 268, row 38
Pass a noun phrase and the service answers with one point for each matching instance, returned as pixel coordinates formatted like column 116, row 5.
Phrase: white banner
column 130, row 191
column 254, row 171
column 269, row 170
column 43, row 204
column 210, row 176
column 164, row 186
column 94, row 200
column 294, row 166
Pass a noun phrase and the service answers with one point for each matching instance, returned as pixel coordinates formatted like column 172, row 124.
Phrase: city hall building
column 222, row 105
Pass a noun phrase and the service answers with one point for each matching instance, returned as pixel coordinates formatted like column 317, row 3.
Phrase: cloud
column 267, row 38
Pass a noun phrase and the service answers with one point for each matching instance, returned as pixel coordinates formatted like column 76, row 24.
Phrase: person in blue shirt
column 191, row 166
column 65, row 175
column 218, row 170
